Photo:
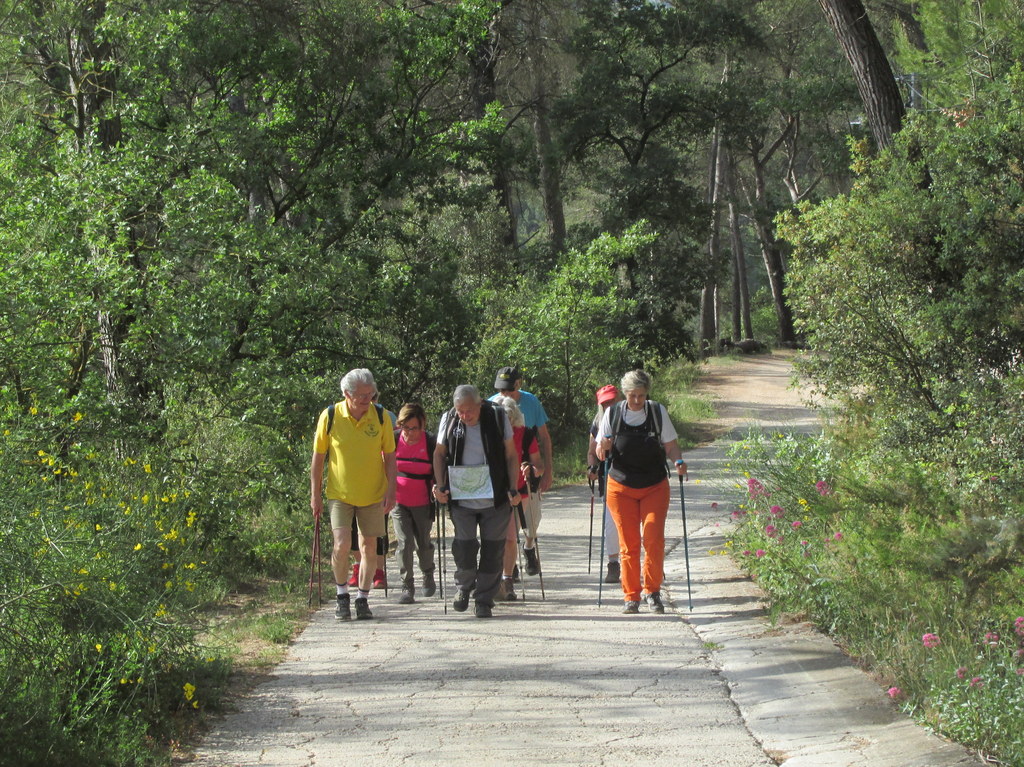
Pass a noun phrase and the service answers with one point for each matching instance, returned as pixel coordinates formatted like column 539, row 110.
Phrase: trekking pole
column 686, row 546
column 519, row 551
column 604, row 525
column 590, row 540
column 442, row 511
column 536, row 542
column 316, row 563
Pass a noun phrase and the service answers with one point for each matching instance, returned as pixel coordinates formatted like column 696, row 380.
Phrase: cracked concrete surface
column 565, row 682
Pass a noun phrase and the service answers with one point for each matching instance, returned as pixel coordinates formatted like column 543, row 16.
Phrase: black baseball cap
column 506, row 379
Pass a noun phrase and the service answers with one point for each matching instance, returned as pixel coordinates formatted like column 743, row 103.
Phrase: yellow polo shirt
column 355, row 469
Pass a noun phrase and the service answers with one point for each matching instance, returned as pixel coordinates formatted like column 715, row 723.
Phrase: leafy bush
column 886, row 556
column 107, row 561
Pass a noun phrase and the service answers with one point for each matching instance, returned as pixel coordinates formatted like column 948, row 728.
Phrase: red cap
column 607, row 394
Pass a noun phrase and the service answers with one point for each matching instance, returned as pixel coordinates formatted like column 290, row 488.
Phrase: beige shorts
column 369, row 518
column 532, row 513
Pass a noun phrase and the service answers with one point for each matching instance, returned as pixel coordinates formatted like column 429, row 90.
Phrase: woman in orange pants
column 637, row 437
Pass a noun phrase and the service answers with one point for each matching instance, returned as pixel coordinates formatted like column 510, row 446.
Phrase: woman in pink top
column 414, row 515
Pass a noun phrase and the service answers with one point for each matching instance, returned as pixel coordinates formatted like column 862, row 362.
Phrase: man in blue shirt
column 508, row 382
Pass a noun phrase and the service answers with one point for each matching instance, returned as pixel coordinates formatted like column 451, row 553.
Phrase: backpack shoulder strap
column 615, row 419
column 380, row 413
column 431, row 444
column 656, row 410
column 330, row 417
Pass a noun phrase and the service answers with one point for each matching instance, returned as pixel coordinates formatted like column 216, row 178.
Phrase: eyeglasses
column 403, row 427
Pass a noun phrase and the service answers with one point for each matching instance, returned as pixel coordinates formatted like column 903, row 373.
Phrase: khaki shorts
column 370, row 518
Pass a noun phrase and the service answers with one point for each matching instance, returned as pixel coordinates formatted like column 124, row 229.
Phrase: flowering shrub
column 933, row 602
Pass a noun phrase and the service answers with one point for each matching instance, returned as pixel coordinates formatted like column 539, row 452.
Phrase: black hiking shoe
column 482, row 611
column 461, row 601
column 515, row 574
column 532, row 562
column 614, row 574
column 632, row 608
column 363, row 609
column 654, row 602
column 429, row 585
column 343, row 612
column 407, row 597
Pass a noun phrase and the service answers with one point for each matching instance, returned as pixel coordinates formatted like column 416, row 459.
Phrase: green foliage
column 560, row 332
column 881, row 554
column 107, row 560
column 919, row 313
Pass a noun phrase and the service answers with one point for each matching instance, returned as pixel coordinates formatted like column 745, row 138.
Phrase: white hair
column 635, row 379
column 354, row 378
column 466, row 393
column 515, row 415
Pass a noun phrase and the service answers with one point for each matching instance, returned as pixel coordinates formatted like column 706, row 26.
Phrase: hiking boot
column 515, row 574
column 461, row 601
column 407, row 596
column 429, row 585
column 507, row 591
column 380, row 580
column 343, row 612
column 654, row 602
column 482, row 611
column 532, row 562
column 632, row 608
column 354, row 580
column 614, row 574
column 363, row 609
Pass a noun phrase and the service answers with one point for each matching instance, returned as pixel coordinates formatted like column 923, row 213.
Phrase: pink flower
column 823, row 487
column 756, row 489
column 931, row 640
column 769, row 530
column 895, row 692
column 976, row 682
column 805, row 543
column 776, row 511
column 714, row 506
column 838, row 536
column 1020, row 672
column 797, row 524
column 961, row 673
column 992, row 638
column 1018, row 626
column 759, row 553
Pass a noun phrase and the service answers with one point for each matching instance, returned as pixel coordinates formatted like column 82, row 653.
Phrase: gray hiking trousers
column 485, row 575
column 412, row 531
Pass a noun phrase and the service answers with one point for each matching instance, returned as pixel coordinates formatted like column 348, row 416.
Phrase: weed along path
column 561, row 681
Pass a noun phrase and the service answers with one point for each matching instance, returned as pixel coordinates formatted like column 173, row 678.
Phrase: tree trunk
column 743, row 327
column 709, row 295
column 547, row 152
column 883, row 103
column 770, row 251
column 483, row 90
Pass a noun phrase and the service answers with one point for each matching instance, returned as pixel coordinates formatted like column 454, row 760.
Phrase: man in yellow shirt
column 357, row 442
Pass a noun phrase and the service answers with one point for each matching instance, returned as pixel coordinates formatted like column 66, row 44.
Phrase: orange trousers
column 639, row 515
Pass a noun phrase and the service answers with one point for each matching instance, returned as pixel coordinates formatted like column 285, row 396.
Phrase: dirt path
column 567, row 679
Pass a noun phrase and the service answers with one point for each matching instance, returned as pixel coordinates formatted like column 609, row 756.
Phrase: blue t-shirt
column 533, row 411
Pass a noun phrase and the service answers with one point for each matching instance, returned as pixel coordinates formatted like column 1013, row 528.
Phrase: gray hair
column 635, row 379
column 464, row 393
column 354, row 378
column 515, row 415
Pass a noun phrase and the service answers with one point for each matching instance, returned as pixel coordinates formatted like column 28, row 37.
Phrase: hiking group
column 485, row 470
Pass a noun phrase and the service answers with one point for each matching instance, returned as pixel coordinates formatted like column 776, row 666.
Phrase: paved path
column 561, row 681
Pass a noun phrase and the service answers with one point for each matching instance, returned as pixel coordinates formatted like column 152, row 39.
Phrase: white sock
column 342, row 588
column 362, row 594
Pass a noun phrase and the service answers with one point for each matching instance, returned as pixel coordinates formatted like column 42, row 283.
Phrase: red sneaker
column 354, row 580
column 380, row 581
